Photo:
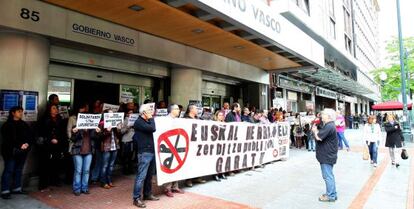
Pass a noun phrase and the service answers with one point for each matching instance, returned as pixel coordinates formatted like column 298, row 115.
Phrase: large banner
column 186, row 148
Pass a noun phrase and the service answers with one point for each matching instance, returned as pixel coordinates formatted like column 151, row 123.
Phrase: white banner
column 113, row 108
column 132, row 118
column 186, row 148
column 88, row 121
column 111, row 120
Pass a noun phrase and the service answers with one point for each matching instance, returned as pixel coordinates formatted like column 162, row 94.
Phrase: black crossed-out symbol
column 165, row 149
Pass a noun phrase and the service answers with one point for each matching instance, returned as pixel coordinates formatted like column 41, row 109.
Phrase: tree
column 390, row 89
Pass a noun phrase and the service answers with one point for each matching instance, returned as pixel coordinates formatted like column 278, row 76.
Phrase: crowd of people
column 85, row 156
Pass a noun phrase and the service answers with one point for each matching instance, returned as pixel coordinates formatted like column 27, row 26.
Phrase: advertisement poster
column 28, row 100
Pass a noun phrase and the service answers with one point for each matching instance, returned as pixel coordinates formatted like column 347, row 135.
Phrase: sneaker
column 397, row 165
column 77, row 193
column 86, row 192
column 231, row 174
column 6, row 196
column 216, row 177
column 200, row 180
column 106, row 186
column 168, row 193
column 375, row 165
column 151, row 198
column 139, row 203
column 325, row 198
column 189, row 183
column 111, row 184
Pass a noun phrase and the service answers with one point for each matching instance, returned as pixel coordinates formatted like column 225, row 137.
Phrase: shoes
column 6, row 196
column 223, row 176
column 348, row 149
column 106, row 186
column 397, row 165
column 216, row 177
column 231, row 174
column 375, row 165
column 393, row 163
column 177, row 191
column 325, row 198
column 111, row 184
column 86, row 192
column 151, row 198
column 20, row 192
column 189, row 183
column 372, row 162
column 139, row 203
column 200, row 180
column 77, row 194
column 168, row 193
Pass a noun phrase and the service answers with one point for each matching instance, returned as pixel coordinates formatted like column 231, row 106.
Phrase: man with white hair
column 144, row 127
column 327, row 152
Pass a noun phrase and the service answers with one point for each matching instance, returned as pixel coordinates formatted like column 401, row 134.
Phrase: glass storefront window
column 62, row 88
column 130, row 93
column 148, row 93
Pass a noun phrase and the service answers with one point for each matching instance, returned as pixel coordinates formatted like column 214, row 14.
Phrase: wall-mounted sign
column 28, row 100
column 326, row 93
column 291, row 84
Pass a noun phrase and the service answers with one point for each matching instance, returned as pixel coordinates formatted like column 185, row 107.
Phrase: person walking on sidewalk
column 327, row 152
column 171, row 187
column 394, row 139
column 17, row 140
column 372, row 136
column 340, row 131
column 143, row 139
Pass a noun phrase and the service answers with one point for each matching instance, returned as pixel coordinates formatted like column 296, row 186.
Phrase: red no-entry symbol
column 176, row 155
column 275, row 153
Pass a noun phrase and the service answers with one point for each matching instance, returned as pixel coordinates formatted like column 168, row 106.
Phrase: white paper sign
column 132, row 118
column 187, row 148
column 88, row 121
column 113, row 108
column 161, row 112
column 149, row 106
column 111, row 120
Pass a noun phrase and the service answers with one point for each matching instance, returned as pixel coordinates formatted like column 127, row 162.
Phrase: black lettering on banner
column 205, row 152
column 219, row 148
column 224, row 149
column 214, row 134
column 194, row 132
column 234, row 147
column 262, row 154
column 219, row 165
column 265, row 133
column 230, row 136
column 228, row 150
column 235, row 133
column 261, row 146
column 259, row 132
column 236, row 162
column 250, row 133
column 244, row 165
column 228, row 163
column 199, row 150
column 222, row 136
column 274, row 131
column 204, row 131
column 253, row 157
column 211, row 149
column 239, row 147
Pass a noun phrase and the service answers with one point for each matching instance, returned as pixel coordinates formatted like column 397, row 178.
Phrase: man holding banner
column 144, row 128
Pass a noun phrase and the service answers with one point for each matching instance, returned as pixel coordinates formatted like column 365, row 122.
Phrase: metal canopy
column 337, row 81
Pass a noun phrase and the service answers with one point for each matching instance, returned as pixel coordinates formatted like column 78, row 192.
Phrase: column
column 185, row 85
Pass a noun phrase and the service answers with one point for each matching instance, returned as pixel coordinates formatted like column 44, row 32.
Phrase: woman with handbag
column 394, row 139
column 17, row 140
column 372, row 136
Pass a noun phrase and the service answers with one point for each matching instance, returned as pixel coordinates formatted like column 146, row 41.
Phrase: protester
column 394, row 139
column 279, row 117
column 327, row 152
column 144, row 128
column 17, row 140
column 298, row 132
column 372, row 136
column 52, row 147
column 170, row 188
column 82, row 150
column 109, row 148
column 96, row 171
column 234, row 115
column 246, row 116
column 191, row 113
column 219, row 117
column 226, row 108
column 340, row 130
column 127, row 145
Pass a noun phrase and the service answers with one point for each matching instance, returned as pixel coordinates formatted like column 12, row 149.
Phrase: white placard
column 187, row 148
column 113, row 108
column 132, row 118
column 88, row 121
column 149, row 106
column 112, row 120
column 161, row 112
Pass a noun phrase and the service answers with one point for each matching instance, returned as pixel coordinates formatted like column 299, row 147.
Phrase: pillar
column 185, row 85
column 24, row 60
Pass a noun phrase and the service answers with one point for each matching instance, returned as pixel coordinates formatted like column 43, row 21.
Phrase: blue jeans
column 82, row 164
column 341, row 138
column 108, row 162
column 328, row 176
column 311, row 142
column 13, row 168
column 96, row 172
column 146, row 168
column 373, row 151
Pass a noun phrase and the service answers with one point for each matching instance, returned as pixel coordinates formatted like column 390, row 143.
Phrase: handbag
column 404, row 154
column 365, row 153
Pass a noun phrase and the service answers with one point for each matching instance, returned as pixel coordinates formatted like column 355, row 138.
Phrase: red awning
column 391, row 105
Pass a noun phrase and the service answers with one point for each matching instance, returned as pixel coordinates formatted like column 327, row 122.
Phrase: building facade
column 348, row 31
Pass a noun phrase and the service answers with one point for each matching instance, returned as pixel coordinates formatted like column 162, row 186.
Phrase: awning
column 391, row 105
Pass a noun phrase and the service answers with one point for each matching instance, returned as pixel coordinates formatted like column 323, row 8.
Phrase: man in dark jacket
column 144, row 128
column 234, row 115
column 327, row 152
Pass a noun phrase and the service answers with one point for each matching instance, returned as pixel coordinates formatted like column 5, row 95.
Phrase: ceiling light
column 198, row 31
column 136, row 8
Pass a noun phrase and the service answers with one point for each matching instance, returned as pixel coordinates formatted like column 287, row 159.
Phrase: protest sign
column 161, row 112
column 187, row 148
column 132, row 118
column 112, row 120
column 88, row 121
column 113, row 108
column 149, row 106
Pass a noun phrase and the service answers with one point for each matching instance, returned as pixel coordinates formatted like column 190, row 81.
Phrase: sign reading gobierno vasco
column 186, row 148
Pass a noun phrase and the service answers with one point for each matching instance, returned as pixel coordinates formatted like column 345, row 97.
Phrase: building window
column 348, row 44
column 304, row 5
column 331, row 8
column 332, row 32
column 347, row 21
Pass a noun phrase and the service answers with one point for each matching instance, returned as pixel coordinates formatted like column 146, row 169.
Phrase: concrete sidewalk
column 295, row 183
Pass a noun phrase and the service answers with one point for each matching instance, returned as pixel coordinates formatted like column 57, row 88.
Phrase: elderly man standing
column 144, row 127
column 327, row 152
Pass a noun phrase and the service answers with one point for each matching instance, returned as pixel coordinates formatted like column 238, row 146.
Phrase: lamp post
column 406, row 126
